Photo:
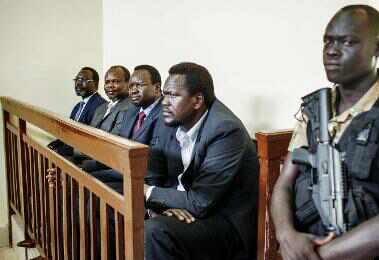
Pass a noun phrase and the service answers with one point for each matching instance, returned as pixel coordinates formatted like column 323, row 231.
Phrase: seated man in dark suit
column 86, row 85
column 202, row 178
column 139, row 120
column 109, row 116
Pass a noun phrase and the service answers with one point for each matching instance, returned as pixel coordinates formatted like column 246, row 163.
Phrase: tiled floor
column 7, row 254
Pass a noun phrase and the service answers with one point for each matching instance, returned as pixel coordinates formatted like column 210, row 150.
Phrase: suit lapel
column 100, row 116
column 176, row 162
column 111, row 115
column 131, row 118
column 196, row 152
column 74, row 111
column 147, row 122
column 193, row 163
column 87, row 107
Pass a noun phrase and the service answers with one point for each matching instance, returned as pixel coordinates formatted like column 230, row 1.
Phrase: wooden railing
column 272, row 149
column 65, row 211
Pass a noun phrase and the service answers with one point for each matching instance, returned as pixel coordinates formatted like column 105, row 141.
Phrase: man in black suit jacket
column 139, row 121
column 145, row 93
column 202, row 175
column 109, row 116
column 139, row 124
column 86, row 85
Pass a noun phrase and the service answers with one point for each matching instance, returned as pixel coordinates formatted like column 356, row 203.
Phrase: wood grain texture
column 272, row 147
column 49, row 192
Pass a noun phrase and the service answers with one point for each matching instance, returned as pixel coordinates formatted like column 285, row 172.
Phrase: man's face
column 141, row 91
column 84, row 84
column 115, row 85
column 178, row 104
column 349, row 49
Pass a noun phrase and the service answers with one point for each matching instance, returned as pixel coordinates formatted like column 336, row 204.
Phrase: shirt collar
column 111, row 103
column 148, row 110
column 364, row 104
column 85, row 100
column 193, row 132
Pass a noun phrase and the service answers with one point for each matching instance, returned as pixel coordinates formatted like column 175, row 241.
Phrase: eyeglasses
column 170, row 97
column 138, row 86
column 84, row 81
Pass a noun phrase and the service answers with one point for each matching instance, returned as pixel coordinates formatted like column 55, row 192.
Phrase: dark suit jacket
column 89, row 110
column 113, row 119
column 144, row 135
column 146, row 132
column 222, row 177
column 85, row 118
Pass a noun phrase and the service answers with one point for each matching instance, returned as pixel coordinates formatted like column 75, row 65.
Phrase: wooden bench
column 272, row 149
column 46, row 191
column 41, row 186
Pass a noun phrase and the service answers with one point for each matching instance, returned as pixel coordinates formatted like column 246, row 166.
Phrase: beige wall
column 263, row 55
column 43, row 45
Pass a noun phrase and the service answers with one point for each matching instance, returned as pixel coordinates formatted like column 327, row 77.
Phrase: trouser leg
column 207, row 239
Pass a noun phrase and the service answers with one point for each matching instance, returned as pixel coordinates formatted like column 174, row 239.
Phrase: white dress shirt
column 187, row 140
column 148, row 110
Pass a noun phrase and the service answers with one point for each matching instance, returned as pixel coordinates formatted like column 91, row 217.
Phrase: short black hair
column 154, row 73
column 95, row 75
column 372, row 14
column 198, row 79
column 124, row 70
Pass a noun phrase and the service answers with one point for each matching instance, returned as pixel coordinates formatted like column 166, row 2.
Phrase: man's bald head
column 364, row 13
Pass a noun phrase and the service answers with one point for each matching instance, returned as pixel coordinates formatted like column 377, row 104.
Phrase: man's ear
column 377, row 46
column 126, row 86
column 199, row 100
column 157, row 89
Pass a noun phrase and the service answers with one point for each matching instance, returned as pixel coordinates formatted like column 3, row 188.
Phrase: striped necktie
column 80, row 110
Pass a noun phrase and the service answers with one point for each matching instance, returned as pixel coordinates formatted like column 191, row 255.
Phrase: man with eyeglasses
column 86, row 85
column 140, row 124
column 139, row 121
column 109, row 116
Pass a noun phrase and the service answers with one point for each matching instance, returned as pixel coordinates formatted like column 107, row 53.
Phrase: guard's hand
column 181, row 214
column 300, row 246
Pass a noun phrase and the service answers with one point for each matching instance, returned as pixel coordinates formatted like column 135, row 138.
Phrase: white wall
column 263, row 55
column 43, row 45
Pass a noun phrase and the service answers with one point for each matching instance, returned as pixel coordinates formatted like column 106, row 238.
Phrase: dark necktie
column 141, row 117
column 79, row 112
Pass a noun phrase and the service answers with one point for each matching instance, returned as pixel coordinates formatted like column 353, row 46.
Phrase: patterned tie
column 141, row 117
column 80, row 110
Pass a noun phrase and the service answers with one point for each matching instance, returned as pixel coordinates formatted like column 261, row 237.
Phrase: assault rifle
column 328, row 178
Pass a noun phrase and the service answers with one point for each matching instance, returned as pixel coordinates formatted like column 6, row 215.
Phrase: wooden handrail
column 49, row 193
column 78, row 135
